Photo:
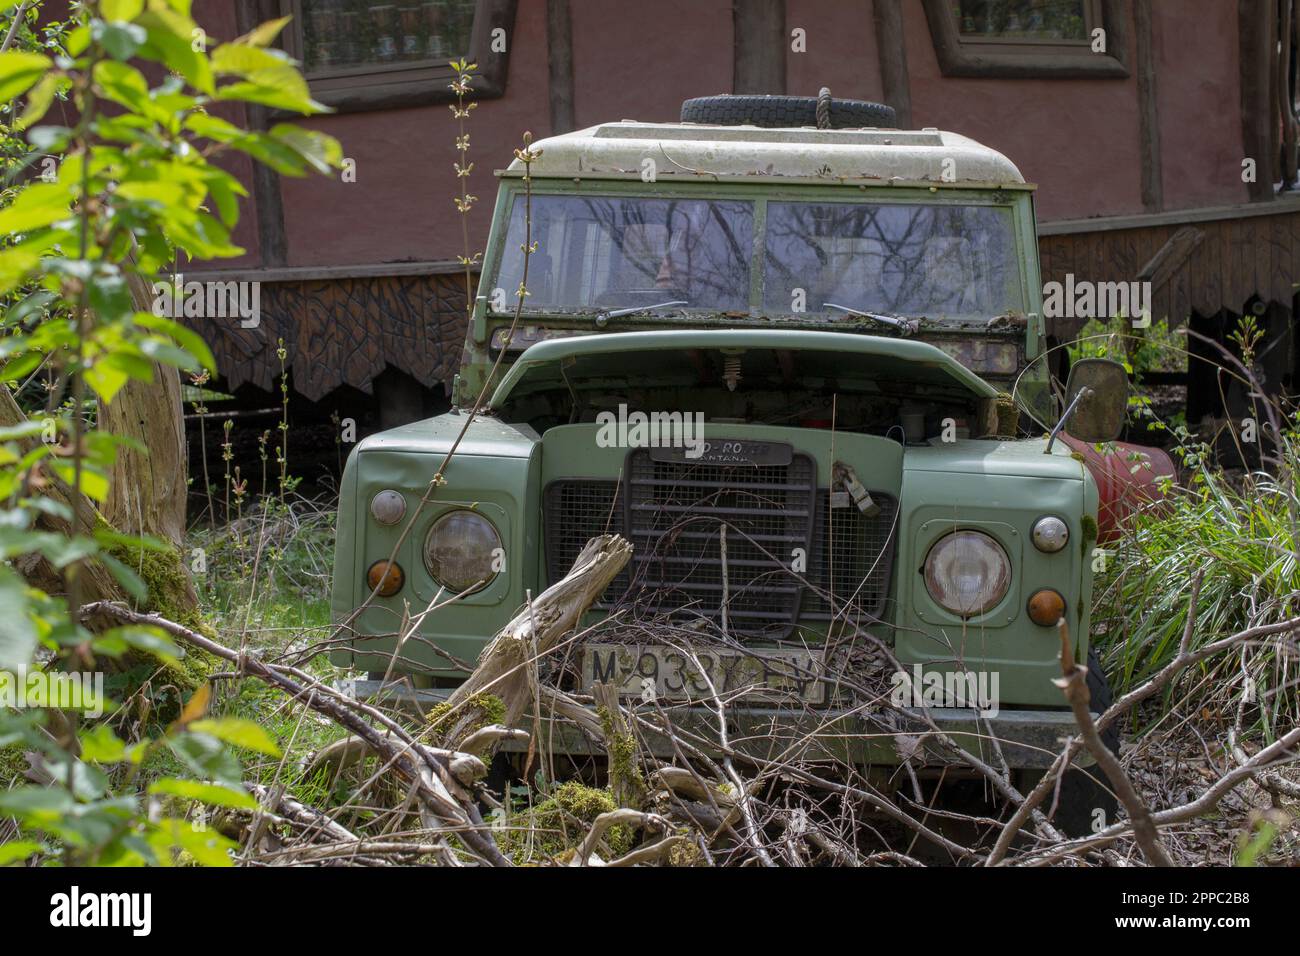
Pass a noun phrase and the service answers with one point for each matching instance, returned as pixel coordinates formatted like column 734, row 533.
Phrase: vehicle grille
column 672, row 512
column 675, row 513
column 852, row 558
column 573, row 512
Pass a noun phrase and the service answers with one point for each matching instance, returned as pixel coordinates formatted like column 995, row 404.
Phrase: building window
column 342, row 37
column 1029, row 38
column 1028, row 21
column 375, row 54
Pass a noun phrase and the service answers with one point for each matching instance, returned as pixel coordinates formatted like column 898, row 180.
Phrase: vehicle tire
column 1085, row 791
column 779, row 111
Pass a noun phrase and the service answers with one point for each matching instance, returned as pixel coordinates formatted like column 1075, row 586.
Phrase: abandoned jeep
column 801, row 367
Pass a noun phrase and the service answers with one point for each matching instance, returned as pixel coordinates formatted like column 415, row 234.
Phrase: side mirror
column 1096, row 400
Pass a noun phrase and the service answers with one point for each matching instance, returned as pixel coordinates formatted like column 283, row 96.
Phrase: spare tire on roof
column 778, row 111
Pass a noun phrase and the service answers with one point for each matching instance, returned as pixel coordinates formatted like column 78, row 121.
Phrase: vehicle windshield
column 602, row 252
column 925, row 260
column 933, row 261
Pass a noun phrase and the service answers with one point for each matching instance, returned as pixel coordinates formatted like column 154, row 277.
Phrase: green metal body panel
column 496, row 472
column 998, row 487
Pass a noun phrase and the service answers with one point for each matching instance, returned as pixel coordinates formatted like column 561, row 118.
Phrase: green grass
column 267, row 574
column 1239, row 533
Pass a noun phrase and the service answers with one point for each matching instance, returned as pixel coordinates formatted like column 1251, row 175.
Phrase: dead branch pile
column 668, row 784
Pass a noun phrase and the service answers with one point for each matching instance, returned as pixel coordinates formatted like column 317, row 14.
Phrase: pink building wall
column 1077, row 139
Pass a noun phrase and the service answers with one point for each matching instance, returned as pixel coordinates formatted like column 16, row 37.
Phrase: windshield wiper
column 606, row 315
column 905, row 326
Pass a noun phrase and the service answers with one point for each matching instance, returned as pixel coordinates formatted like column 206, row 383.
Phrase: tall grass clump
column 1237, row 532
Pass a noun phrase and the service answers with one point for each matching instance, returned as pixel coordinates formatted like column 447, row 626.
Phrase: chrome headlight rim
column 1050, row 534
column 1000, row 581
column 473, row 581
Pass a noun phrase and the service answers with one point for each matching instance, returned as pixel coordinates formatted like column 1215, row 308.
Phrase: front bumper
column 1028, row 739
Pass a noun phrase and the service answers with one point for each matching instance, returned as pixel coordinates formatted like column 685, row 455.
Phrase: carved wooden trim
column 965, row 58
column 418, row 85
column 344, row 331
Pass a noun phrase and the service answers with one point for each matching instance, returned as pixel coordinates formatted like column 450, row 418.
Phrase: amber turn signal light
column 1046, row 607
column 385, row 578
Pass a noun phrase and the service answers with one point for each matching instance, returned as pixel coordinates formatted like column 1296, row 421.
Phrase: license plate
column 727, row 451
column 657, row 672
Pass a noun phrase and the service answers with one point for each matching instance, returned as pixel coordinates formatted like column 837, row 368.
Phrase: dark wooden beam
column 1153, row 193
column 760, row 46
column 1255, row 26
column 559, row 45
column 1285, row 92
column 892, row 50
column 273, row 246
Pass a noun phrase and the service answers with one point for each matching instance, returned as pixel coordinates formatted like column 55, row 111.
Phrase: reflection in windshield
column 930, row 261
column 610, row 253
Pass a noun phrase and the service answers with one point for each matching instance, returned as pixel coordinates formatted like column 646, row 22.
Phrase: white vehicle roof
column 698, row 152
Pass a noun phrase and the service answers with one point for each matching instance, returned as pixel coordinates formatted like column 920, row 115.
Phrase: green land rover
column 802, row 371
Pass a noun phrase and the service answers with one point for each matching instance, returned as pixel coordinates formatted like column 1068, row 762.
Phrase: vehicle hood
column 671, row 357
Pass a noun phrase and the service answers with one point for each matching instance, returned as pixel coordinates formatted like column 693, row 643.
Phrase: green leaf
column 148, row 542
column 17, row 632
column 280, row 87
column 61, row 551
column 106, row 379
column 120, row 40
column 20, row 367
column 170, row 38
column 187, row 338
column 40, row 204
column 131, row 582
column 33, row 802
column 19, row 72
column 150, row 639
column 264, row 34
column 122, row 84
column 241, row 59
column 49, row 139
column 239, row 733
column 320, row 150
column 214, row 794
column 168, row 354
column 40, row 98
column 93, row 484
column 18, row 851
column 17, row 263
column 206, row 846
column 121, row 9
column 101, row 745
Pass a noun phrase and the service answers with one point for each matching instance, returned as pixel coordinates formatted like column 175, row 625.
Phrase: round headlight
column 461, row 551
column 1050, row 534
column 388, row 507
column 967, row 573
